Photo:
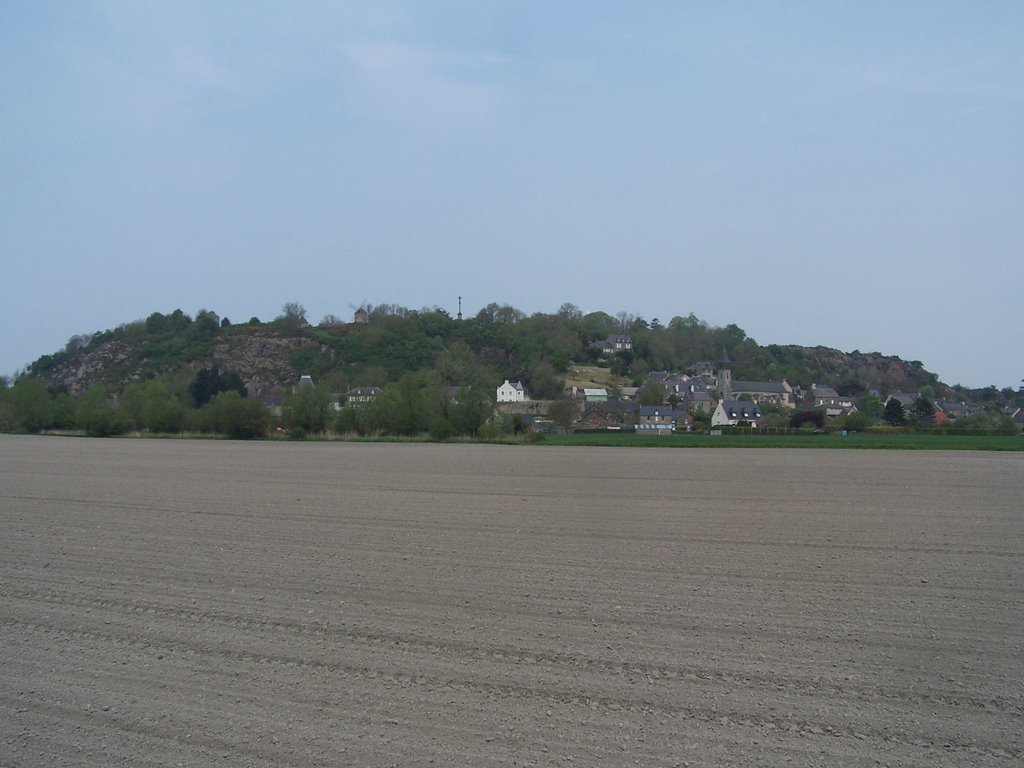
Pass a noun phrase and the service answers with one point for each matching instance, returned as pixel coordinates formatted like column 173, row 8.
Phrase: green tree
column 407, row 407
column 178, row 321
column 64, row 411
column 735, row 333
column 894, row 413
column 808, row 419
column 97, row 416
column 563, row 412
column 157, row 323
column 307, row 409
column 347, row 421
column 31, row 405
column 468, row 413
column 922, row 412
column 871, row 406
column 653, row 393
column 161, row 410
column 441, row 429
column 209, row 381
column 241, row 418
column 544, row 382
column 206, row 323
column 856, row 421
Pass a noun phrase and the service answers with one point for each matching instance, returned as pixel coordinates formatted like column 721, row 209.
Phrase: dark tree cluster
column 209, row 382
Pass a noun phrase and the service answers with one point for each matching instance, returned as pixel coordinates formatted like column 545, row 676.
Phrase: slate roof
column 906, row 400
column 821, row 390
column 649, row 411
column 956, row 410
column 363, row 391
column 767, row 387
column 741, row 409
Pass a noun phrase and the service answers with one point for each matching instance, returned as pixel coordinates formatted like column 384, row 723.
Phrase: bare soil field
column 203, row 603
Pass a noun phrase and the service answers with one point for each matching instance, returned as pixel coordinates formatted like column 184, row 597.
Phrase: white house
column 361, row 394
column 732, row 412
column 511, row 393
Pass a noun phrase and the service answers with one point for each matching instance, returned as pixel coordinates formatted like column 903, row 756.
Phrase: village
column 705, row 397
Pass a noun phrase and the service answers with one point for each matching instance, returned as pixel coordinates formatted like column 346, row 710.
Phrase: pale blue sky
column 843, row 174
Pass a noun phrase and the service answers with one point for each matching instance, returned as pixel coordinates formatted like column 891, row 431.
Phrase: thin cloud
column 417, row 83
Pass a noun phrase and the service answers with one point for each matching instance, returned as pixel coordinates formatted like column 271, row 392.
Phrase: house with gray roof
column 360, row 395
column 767, row 392
column 661, row 419
column 954, row 410
column 826, row 397
column 616, row 342
column 699, row 401
column 732, row 412
column 906, row 399
column 657, row 418
column 511, row 392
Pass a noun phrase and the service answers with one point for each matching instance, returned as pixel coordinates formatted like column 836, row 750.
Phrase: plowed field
column 210, row 603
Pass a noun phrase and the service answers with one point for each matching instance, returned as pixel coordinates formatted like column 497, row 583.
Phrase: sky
column 841, row 174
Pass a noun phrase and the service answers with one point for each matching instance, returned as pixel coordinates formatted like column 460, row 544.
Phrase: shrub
column 441, row 429
column 809, row 418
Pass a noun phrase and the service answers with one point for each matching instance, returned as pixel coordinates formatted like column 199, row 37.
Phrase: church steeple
column 725, row 377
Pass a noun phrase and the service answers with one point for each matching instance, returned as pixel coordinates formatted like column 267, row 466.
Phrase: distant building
column 616, row 342
column 356, row 395
column 778, row 393
column 829, row 399
column 699, row 401
column 510, row 392
column 732, row 412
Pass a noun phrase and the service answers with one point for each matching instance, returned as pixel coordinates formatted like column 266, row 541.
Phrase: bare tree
column 292, row 314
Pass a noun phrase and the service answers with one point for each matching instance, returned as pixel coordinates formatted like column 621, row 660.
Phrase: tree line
column 417, row 356
column 217, row 403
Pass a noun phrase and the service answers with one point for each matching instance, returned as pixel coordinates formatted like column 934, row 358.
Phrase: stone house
column 778, row 393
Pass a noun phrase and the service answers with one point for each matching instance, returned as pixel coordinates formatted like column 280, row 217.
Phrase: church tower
column 725, row 377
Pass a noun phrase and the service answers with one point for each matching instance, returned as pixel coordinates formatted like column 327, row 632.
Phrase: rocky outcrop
column 873, row 370
column 263, row 362
column 112, row 363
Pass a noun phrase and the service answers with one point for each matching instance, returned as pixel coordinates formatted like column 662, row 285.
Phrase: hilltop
column 387, row 342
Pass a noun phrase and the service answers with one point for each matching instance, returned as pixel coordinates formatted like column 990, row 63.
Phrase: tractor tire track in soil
column 204, row 602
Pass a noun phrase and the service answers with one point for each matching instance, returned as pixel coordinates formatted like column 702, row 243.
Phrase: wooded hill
column 499, row 342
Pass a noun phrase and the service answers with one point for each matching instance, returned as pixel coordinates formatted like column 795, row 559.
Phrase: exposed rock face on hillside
column 262, row 360
column 87, row 369
column 872, row 369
